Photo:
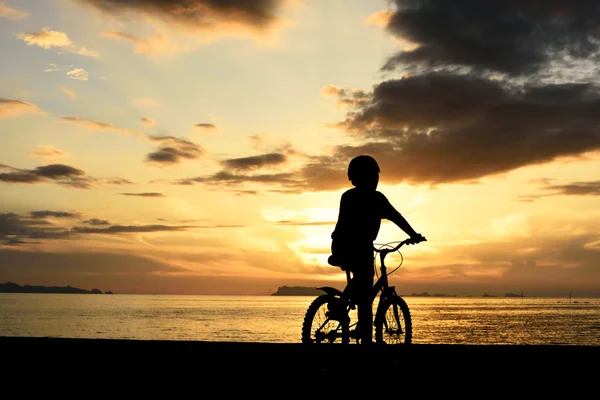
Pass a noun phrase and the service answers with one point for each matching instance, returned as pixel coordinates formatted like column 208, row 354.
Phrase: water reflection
column 279, row 319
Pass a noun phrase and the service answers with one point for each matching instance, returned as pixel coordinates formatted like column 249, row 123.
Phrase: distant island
column 10, row 287
column 297, row 291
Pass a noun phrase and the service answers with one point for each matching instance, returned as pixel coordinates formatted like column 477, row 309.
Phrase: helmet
column 360, row 165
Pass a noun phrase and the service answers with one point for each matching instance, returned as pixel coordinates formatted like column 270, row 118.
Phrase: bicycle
column 393, row 323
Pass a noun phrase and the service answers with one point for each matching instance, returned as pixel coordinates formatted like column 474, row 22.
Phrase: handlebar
column 384, row 252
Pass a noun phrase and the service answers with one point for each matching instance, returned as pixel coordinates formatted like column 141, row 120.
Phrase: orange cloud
column 149, row 122
column 97, row 125
column 47, row 151
column 69, row 93
column 46, row 38
column 380, row 18
column 11, row 13
column 13, row 108
column 157, row 44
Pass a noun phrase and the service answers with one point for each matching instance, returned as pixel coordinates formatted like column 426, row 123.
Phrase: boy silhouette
column 361, row 210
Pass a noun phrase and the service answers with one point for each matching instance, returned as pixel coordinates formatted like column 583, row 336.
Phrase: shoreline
column 183, row 365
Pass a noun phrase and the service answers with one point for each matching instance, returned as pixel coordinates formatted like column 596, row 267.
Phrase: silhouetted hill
column 297, row 291
column 10, row 287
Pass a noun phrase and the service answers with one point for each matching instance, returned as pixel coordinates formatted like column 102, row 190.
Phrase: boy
column 359, row 220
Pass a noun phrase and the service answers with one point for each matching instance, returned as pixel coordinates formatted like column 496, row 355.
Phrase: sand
column 177, row 366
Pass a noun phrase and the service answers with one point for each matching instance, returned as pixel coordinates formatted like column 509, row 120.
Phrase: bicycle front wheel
column 393, row 323
column 320, row 326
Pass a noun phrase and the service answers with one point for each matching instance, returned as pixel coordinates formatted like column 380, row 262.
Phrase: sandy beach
column 177, row 366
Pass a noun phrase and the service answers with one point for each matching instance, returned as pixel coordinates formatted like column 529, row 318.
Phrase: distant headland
column 10, row 287
column 313, row 291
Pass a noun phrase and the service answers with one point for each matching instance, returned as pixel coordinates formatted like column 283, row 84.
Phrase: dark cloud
column 114, row 229
column 18, row 229
column 147, row 194
column 318, row 173
column 96, row 221
column 57, row 173
column 118, row 181
column 206, row 126
column 577, row 188
column 198, row 14
column 54, row 214
column 227, row 178
column 173, row 150
column 442, row 127
column 254, row 162
column 14, row 229
column 508, row 36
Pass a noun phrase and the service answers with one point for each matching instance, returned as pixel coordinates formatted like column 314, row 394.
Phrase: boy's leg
column 362, row 287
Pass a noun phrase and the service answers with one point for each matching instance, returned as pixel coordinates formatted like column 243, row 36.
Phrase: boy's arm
column 393, row 215
column 402, row 223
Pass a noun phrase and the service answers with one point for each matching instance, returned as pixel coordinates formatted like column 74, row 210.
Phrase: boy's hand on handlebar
column 416, row 238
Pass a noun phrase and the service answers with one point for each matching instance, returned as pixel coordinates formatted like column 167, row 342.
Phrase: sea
column 278, row 319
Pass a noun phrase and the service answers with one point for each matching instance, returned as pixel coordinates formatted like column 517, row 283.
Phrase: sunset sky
column 200, row 146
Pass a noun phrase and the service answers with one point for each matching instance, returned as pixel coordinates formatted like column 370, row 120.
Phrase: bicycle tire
column 397, row 328
column 322, row 337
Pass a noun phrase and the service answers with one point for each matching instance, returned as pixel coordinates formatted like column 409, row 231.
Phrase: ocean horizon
column 278, row 319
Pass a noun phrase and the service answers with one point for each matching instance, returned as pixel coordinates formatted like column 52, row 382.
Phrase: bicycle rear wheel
column 393, row 323
column 320, row 326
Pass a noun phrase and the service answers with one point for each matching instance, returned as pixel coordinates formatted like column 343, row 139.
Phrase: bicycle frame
column 381, row 285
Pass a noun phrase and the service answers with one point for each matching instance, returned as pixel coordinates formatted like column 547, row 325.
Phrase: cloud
column 11, row 13
column 96, row 221
column 443, row 127
column 14, row 108
column 591, row 188
column 173, row 150
column 47, row 151
column 257, row 141
column 18, row 229
column 254, row 162
column 149, row 194
column 47, row 38
column 15, row 228
column 61, row 174
column 510, row 37
column 205, row 127
column 53, row 214
column 233, row 179
column 157, row 44
column 97, row 125
column 52, row 67
column 346, row 97
column 72, row 72
column 380, row 18
column 69, row 93
column 117, row 229
column 332, row 90
column 199, row 15
column 149, row 122
column 79, row 74
column 86, row 52
column 118, row 181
